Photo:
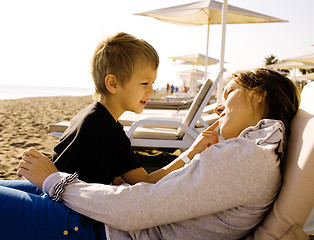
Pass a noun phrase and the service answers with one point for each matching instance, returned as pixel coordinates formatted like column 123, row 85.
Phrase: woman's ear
column 111, row 83
column 260, row 99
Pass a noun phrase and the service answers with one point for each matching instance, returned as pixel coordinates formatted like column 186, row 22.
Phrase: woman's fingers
column 22, row 167
column 32, row 152
column 35, row 169
column 213, row 126
column 212, row 137
column 21, row 172
column 25, row 163
column 35, row 166
column 210, row 134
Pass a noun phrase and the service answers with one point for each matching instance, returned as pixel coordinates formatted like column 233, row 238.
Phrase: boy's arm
column 204, row 140
column 140, row 174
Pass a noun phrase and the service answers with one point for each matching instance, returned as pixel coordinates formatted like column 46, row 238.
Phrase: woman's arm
column 208, row 185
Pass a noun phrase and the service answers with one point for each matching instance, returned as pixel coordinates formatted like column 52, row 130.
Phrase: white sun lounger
column 183, row 132
column 208, row 115
column 176, row 105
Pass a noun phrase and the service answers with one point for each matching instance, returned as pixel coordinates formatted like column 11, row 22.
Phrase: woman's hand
column 206, row 139
column 35, row 167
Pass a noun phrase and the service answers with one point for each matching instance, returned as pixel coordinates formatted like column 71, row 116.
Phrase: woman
column 222, row 194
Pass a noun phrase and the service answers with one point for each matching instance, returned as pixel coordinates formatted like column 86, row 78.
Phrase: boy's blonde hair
column 120, row 55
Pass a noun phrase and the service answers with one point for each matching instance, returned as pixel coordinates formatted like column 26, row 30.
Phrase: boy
column 95, row 145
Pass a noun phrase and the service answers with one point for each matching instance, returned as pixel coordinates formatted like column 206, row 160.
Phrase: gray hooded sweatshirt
column 222, row 194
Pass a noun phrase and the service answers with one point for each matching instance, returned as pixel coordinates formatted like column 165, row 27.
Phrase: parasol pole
column 206, row 57
column 222, row 50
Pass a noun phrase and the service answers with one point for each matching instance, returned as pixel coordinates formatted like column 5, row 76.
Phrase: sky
column 50, row 43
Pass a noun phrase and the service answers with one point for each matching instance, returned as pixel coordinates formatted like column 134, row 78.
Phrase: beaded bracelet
column 60, row 186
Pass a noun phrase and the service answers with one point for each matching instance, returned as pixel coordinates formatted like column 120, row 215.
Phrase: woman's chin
column 227, row 134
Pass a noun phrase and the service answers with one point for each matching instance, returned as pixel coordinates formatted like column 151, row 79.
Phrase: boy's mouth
column 143, row 102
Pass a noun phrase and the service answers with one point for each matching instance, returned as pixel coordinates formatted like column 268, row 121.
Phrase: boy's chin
column 138, row 111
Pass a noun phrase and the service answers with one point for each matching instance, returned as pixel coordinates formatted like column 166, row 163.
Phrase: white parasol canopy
column 191, row 78
column 291, row 65
column 309, row 76
column 209, row 12
column 308, row 58
column 196, row 59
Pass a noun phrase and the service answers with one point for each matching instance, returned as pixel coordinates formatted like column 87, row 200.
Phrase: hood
column 267, row 131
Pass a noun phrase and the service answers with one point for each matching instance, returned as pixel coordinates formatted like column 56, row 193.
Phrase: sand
column 24, row 122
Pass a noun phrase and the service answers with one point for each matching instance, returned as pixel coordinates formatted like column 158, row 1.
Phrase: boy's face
column 134, row 94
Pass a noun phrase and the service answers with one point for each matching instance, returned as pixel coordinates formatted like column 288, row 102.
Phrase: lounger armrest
column 161, row 122
column 58, row 127
column 57, row 134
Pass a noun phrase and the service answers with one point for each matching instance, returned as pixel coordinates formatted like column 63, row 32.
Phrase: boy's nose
column 151, row 91
column 219, row 109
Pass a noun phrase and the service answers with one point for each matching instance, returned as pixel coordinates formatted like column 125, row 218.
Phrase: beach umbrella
column 196, row 59
column 308, row 58
column 309, row 76
column 191, row 78
column 191, row 75
column 194, row 74
column 209, row 12
column 291, row 65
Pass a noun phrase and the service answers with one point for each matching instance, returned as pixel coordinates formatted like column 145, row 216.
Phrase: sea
column 15, row 92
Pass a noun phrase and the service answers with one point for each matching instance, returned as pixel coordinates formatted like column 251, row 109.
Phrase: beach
column 24, row 122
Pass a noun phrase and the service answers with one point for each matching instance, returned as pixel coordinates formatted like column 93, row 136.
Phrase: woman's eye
column 226, row 93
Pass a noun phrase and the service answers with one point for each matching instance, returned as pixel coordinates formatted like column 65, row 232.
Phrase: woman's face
column 238, row 111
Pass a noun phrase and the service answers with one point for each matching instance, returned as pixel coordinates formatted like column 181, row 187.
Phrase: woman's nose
column 219, row 109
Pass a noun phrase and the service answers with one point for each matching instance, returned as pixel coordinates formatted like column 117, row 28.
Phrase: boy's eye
column 146, row 83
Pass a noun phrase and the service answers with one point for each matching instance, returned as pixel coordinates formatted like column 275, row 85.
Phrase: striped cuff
column 60, row 187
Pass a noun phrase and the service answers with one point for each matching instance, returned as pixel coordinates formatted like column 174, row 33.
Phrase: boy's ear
column 111, row 83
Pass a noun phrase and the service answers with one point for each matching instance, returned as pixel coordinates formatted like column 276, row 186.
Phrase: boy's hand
column 35, row 167
column 206, row 139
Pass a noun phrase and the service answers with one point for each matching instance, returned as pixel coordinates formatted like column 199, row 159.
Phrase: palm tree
column 270, row 60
